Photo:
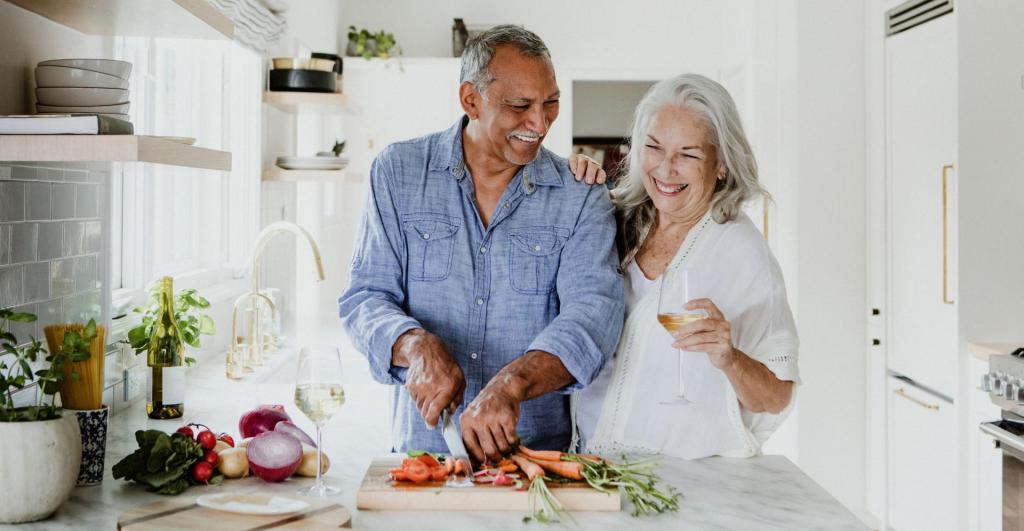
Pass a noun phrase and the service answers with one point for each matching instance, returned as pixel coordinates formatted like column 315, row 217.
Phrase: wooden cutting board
column 183, row 513
column 379, row 492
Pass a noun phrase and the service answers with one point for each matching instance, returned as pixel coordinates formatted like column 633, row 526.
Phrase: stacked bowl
column 83, row 86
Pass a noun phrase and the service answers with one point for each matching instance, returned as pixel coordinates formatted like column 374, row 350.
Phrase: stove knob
column 997, row 386
column 1010, row 391
column 986, row 382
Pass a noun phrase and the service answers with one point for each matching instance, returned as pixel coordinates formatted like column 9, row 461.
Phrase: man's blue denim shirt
column 542, row 276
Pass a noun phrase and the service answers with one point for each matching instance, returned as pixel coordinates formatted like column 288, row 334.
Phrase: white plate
column 312, row 163
column 121, row 69
column 121, row 108
column 251, row 503
column 64, row 76
column 81, row 97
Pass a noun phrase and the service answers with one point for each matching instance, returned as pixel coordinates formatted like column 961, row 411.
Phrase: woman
column 689, row 171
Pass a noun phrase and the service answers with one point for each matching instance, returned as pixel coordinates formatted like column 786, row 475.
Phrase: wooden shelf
column 139, row 18
column 109, row 148
column 278, row 174
column 291, row 101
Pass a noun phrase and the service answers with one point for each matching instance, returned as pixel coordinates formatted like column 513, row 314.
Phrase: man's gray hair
column 476, row 58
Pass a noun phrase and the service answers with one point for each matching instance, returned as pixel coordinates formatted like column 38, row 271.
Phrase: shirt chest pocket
column 533, row 259
column 431, row 240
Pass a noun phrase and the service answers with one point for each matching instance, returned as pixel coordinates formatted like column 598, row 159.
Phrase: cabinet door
column 921, row 106
column 389, row 103
column 922, row 460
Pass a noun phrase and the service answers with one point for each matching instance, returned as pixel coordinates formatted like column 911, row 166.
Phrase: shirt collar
column 449, row 157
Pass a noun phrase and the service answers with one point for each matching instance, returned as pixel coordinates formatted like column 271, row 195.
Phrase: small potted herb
column 365, row 44
column 54, row 438
column 189, row 313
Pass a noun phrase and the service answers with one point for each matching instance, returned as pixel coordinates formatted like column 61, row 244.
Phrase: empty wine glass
column 319, row 394
column 675, row 290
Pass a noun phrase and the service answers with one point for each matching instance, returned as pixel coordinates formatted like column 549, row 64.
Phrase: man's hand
column 434, row 380
column 489, row 422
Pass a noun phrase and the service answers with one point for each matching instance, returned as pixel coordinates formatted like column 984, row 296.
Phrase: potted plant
column 34, row 483
column 189, row 313
column 365, row 44
column 81, row 391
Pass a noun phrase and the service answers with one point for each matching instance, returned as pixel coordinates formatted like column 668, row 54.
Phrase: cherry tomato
column 417, row 472
column 186, row 431
column 438, row 473
column 227, row 439
column 210, row 457
column 202, row 471
column 206, row 439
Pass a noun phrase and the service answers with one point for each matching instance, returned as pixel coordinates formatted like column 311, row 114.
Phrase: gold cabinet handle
column 921, row 403
column 945, row 234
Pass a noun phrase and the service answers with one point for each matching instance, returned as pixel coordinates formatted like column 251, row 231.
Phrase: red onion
column 288, row 428
column 261, row 419
column 274, row 456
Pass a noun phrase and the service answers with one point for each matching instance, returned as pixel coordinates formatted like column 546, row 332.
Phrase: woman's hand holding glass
column 712, row 334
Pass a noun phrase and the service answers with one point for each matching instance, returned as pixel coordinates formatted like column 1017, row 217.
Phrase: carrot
column 438, row 473
column 510, row 467
column 398, row 474
column 547, row 455
column 504, row 462
column 591, row 457
column 566, row 469
column 417, row 472
column 531, row 469
column 428, row 460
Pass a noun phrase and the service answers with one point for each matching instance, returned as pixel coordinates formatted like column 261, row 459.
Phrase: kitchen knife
column 454, row 441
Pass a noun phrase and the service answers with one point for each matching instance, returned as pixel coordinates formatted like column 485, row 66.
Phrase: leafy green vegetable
column 636, row 478
column 162, row 462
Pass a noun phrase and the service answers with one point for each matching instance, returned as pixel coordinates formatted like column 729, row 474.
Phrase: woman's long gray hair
column 634, row 208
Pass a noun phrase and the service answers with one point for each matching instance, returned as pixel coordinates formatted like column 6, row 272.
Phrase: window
column 196, row 225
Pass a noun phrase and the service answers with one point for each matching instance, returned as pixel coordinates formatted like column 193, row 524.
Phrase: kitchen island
column 767, row 492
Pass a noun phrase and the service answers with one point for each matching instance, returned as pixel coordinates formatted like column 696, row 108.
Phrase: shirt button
column 426, row 236
column 479, row 302
column 473, row 355
column 483, row 249
column 505, row 205
column 536, row 247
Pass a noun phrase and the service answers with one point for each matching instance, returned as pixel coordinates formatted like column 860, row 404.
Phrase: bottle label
column 174, row 385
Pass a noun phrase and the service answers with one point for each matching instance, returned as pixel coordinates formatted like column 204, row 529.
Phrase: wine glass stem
column 319, row 453
column 679, row 373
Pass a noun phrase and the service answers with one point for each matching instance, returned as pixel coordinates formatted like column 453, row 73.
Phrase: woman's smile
column 669, row 189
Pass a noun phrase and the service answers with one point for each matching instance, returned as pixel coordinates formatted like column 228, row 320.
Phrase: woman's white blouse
column 622, row 410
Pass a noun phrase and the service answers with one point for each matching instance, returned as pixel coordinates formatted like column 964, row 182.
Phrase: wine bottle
column 166, row 354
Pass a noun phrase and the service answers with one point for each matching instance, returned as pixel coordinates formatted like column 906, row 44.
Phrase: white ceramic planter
column 39, row 464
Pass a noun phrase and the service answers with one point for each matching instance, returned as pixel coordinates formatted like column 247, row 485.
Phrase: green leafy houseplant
column 16, row 371
column 369, row 45
column 189, row 313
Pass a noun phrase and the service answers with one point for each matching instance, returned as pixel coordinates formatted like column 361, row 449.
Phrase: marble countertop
column 767, row 492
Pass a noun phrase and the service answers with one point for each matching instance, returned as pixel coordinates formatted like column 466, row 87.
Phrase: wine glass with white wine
column 675, row 290
column 319, row 394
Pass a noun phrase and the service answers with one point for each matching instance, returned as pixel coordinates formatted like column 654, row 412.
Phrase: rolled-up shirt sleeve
column 371, row 307
column 590, row 293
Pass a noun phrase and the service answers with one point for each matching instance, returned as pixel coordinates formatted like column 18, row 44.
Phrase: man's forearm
column 534, row 374
column 406, row 346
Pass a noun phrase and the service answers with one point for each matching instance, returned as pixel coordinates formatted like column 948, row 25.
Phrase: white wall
column 28, row 39
column 831, row 304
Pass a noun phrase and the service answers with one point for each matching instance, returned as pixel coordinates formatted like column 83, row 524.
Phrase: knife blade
column 454, row 441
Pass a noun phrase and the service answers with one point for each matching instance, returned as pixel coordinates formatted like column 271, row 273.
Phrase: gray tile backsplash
column 12, row 201
column 24, row 242
column 52, row 257
column 63, row 201
column 37, row 201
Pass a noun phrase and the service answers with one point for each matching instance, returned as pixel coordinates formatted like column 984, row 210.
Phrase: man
column 484, row 272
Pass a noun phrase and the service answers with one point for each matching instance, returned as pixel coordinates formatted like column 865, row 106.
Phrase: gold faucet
column 254, row 329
